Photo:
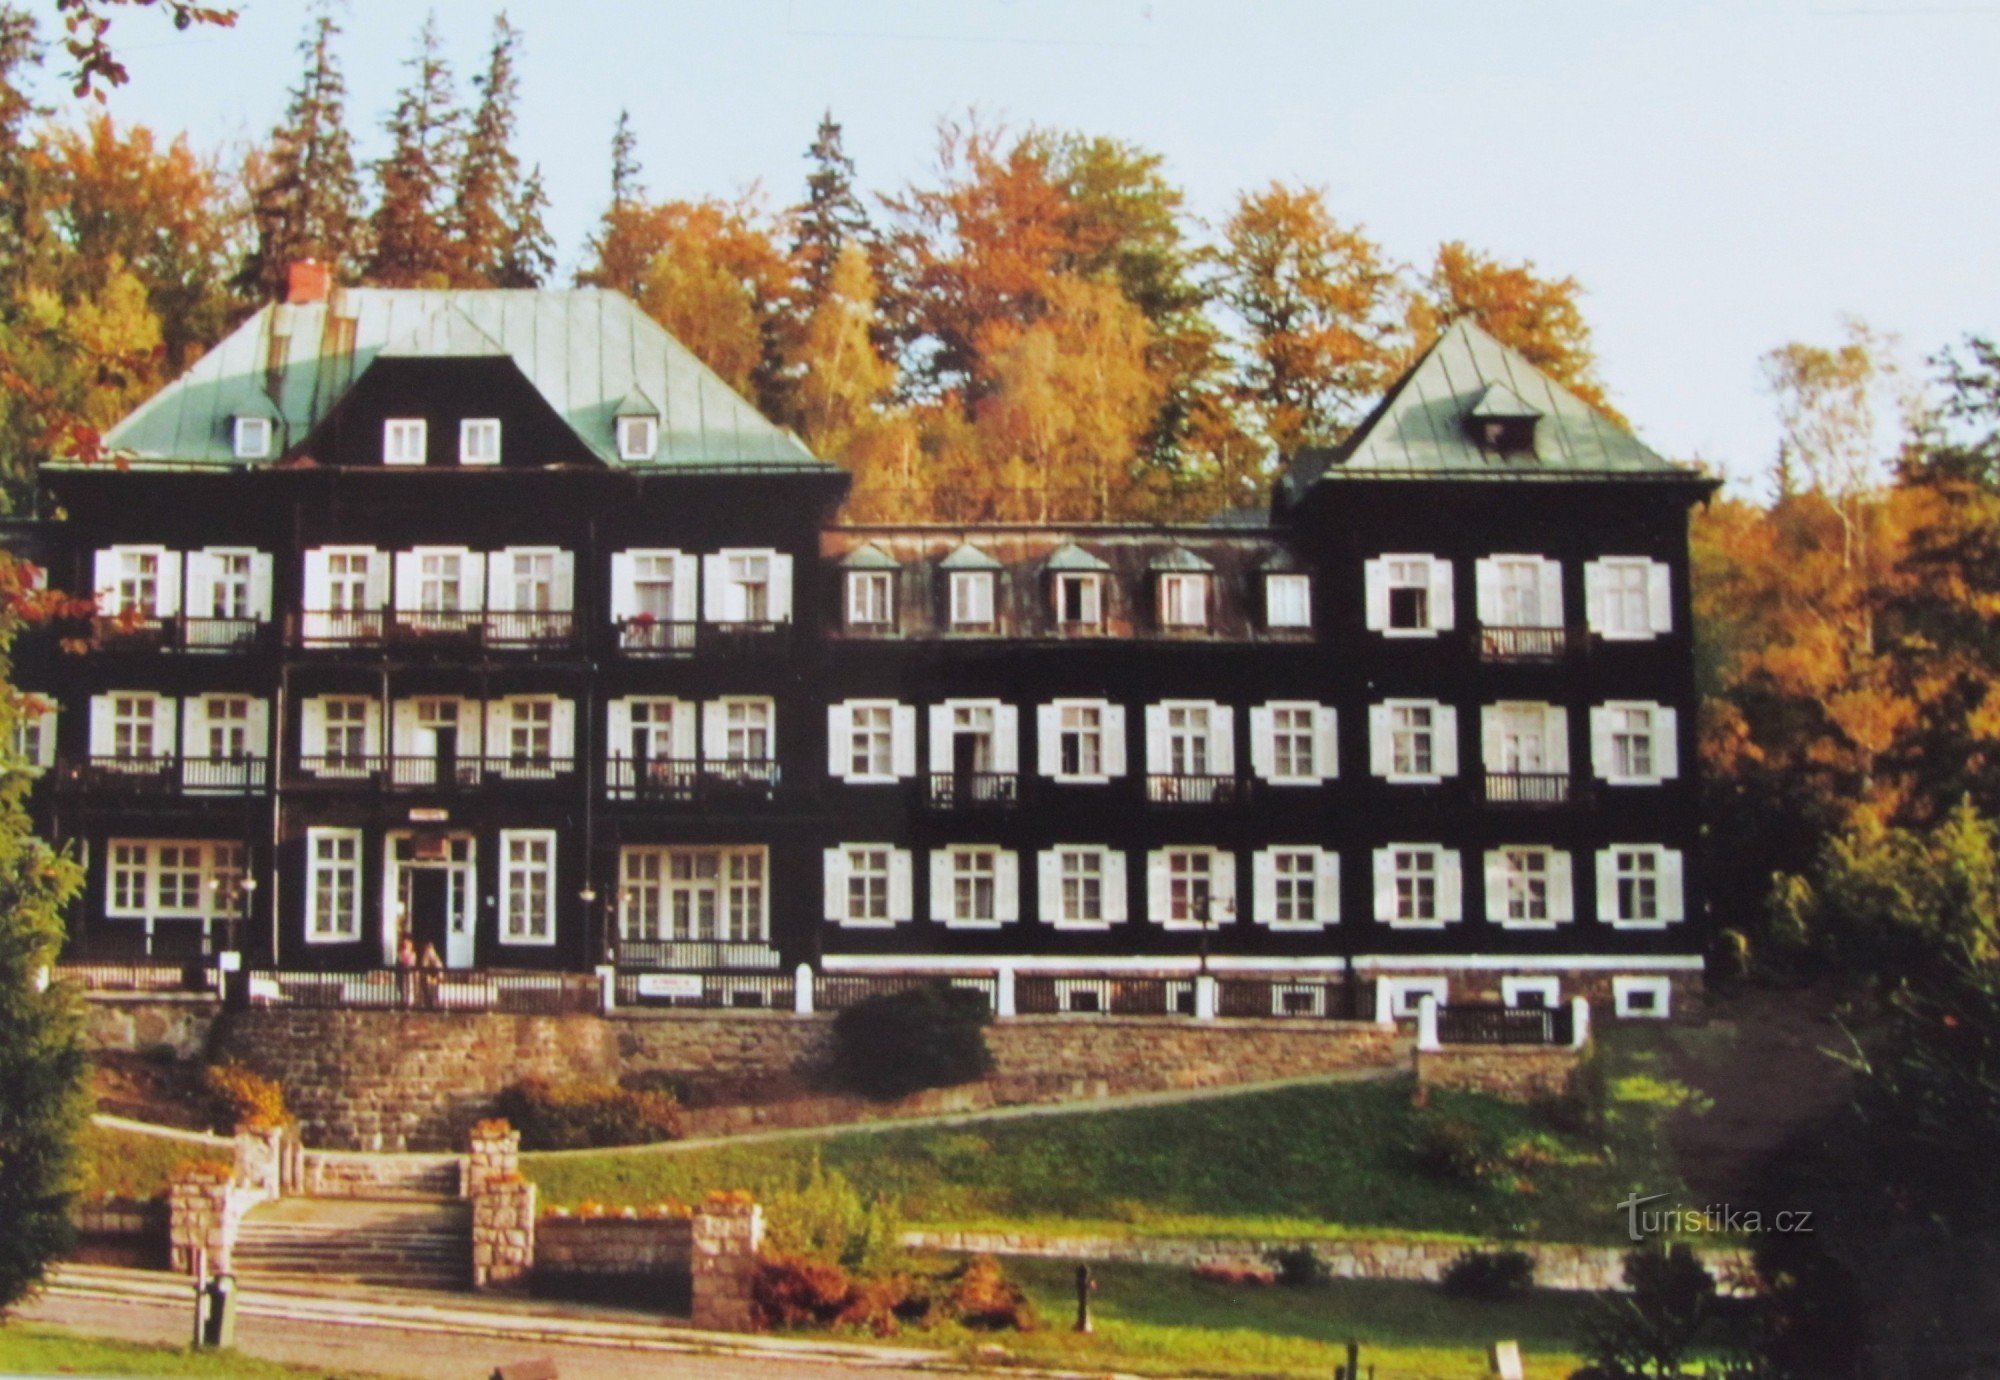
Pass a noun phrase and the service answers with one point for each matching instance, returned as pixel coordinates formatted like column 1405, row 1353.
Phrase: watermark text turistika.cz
column 1713, row 1220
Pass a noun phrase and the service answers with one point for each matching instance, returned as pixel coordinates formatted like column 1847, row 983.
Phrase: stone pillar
column 198, row 1217
column 802, row 990
column 1204, row 997
column 1385, row 1003
column 1427, row 1024
column 607, row 988
column 260, row 1159
column 503, row 1233
column 1003, row 994
column 1579, row 1009
column 493, row 1153
column 727, row 1235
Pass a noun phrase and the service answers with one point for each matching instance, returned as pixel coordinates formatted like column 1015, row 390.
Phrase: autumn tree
column 831, row 218
column 1539, row 316
column 627, row 236
column 412, row 235
column 841, row 380
column 307, row 202
column 497, row 212
column 718, row 280
column 1320, row 312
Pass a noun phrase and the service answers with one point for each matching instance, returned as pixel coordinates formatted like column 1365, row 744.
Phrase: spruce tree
column 309, row 205
column 832, row 214
column 413, row 243
column 22, row 172
column 490, row 193
column 630, row 233
column 626, row 189
column 530, row 255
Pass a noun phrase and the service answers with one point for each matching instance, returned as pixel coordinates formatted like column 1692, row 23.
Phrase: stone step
column 391, row 1241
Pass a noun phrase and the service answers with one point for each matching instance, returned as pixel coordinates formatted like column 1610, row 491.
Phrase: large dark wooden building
column 495, row 618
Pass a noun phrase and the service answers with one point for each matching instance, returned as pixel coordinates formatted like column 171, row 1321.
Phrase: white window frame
column 1091, row 601
column 217, row 871
column 731, row 896
column 730, row 724
column 1394, row 863
column 844, row 863
column 1294, row 609
column 1182, row 598
column 336, row 929
column 1668, row 874
column 35, row 721
column 1492, row 589
column 1605, row 731
column 638, row 437
column 949, row 867
column 1401, row 998
column 871, row 599
column 1322, row 730
column 250, row 438
column 1612, row 614
column 1659, row 989
column 1053, row 728
column 474, row 435
column 1392, row 571
column 1502, row 877
column 405, row 440
column 1165, row 870
column 1544, row 989
column 1056, row 892
column 971, row 594
column 1443, row 735
column 515, row 884
column 1271, row 877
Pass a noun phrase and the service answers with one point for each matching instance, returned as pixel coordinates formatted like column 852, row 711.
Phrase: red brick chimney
column 309, row 282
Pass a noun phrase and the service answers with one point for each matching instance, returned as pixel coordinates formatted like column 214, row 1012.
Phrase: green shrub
column 1491, row 1276
column 826, row 1219
column 1582, row 1110
column 978, row 1294
column 584, row 1115
column 933, row 1036
column 1453, row 1149
column 1298, row 1267
column 240, row 1100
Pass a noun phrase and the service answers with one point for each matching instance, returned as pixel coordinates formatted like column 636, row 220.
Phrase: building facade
column 496, row 620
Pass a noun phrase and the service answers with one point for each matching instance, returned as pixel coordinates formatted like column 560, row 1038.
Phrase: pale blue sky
column 1722, row 177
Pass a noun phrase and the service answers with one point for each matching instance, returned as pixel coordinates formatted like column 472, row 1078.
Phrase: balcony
column 1532, row 789
column 973, row 790
column 1521, row 644
column 1196, row 790
column 445, row 631
column 654, row 637
column 694, row 955
column 430, row 775
column 646, row 637
column 683, row 781
column 166, row 776
column 124, row 634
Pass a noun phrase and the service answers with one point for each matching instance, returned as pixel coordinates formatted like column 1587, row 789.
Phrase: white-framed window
column 1523, row 738
column 1295, row 887
column 1190, row 888
column 1528, row 887
column 1079, row 600
column 1540, row 990
column 1287, row 600
column 231, row 584
column 135, row 722
column 252, row 438
column 530, row 580
column 333, row 885
column 34, row 731
column 1082, row 886
column 138, row 582
column 1183, row 598
column 975, row 887
column 1190, row 738
column 748, row 574
column 531, row 731
column 867, row 885
column 871, row 599
column 1519, row 592
column 227, row 721
column 1402, row 998
column 405, row 441
column 1643, row 998
column 1408, row 595
column 975, row 736
column 1294, row 742
column 343, row 586
column 740, row 729
column 1628, row 598
column 1639, row 886
column 1080, row 741
column 479, row 441
column 871, row 741
column 527, row 886
column 441, row 582
column 751, row 586
column 687, row 894
column 638, row 437
column 971, row 599
column 1635, row 743
column 172, row 879
column 343, row 724
column 1413, row 741
column 1417, row 886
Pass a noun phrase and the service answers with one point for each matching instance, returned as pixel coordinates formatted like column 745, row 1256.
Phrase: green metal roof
column 966, row 556
column 869, row 556
column 1069, row 556
column 592, row 354
column 1178, row 558
column 1418, row 430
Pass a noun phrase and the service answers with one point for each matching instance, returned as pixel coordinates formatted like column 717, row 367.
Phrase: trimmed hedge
column 933, row 1036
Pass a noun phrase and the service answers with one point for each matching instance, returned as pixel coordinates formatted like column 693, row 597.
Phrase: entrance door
column 426, row 902
column 432, row 889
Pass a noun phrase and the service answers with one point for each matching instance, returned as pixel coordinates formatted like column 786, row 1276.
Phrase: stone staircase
column 401, row 1243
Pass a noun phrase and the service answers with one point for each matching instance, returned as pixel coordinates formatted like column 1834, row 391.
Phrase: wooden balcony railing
column 1521, row 644
column 458, row 629
column 692, row 780
column 1527, row 788
column 177, row 634
column 658, row 637
column 974, row 790
column 1505, row 1025
column 1176, row 789
column 429, row 773
column 167, row 775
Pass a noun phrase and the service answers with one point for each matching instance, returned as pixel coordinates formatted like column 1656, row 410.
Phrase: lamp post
column 245, row 908
column 588, row 895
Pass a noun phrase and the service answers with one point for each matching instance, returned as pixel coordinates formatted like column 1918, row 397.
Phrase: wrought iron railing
column 1037, row 994
column 1521, row 644
column 167, row 775
column 178, row 634
column 711, row 990
column 493, row 629
column 1176, row 789
column 974, row 790
column 420, row 989
column 692, row 780
column 644, row 636
column 342, row 771
column 1266, row 998
column 694, row 955
column 1527, row 788
column 1505, row 1025
column 838, row 991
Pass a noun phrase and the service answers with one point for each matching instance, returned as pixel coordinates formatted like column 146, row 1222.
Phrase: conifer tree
column 832, row 215
column 631, row 233
column 309, row 206
column 626, row 189
column 530, row 255
column 413, row 242
column 490, row 192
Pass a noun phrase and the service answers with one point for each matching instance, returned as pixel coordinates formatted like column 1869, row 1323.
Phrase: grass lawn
column 33, row 1349
column 1305, row 1161
column 128, row 1164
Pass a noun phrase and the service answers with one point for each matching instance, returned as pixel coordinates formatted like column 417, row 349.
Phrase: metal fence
column 1036, row 994
column 136, row 977
column 415, row 989
column 1312, row 998
column 838, row 991
column 711, row 991
column 1521, row 644
column 1505, row 1025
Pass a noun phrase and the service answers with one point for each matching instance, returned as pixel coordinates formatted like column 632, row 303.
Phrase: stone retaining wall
column 140, row 1217
column 1520, row 1073
column 646, row 1247
column 141, row 1024
column 350, row 1174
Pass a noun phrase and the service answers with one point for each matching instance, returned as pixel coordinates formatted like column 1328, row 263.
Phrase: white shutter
column 1444, row 750
column 317, row 593
column 260, row 586
column 562, row 731
column 1326, row 885
column 1381, row 740
column 1157, row 756
column 1666, row 743
column 839, row 741
column 1486, row 592
column 1496, row 884
column 104, row 583
column 1114, row 743
column 1048, row 886
column 1549, row 574
column 1224, row 886
column 1593, row 595
column 1261, row 762
column 500, row 598
column 1660, row 597
column 1048, row 754
column 1006, row 886
column 833, row 883
column 687, row 586
column 409, row 575
column 1375, row 592
column 1562, row 887
column 1222, row 739
column 1385, row 884
column 562, row 596
column 1326, row 742
column 1607, row 886
column 312, row 727
column 781, row 589
column 101, row 738
column 1159, row 889
column 168, row 602
column 617, row 729
column 1492, row 748
column 941, row 884
column 403, row 730
column 471, row 580
column 714, row 731
column 201, row 567
column 1442, row 617
column 257, row 728
column 714, row 589
column 1555, row 738
column 371, row 729
column 1600, row 742
column 1006, row 739
column 1115, row 908
column 194, row 727
column 1451, row 886
column 624, row 587
column 1673, row 900
column 166, row 719
column 1263, row 887
column 901, row 905
column 471, row 729
column 940, row 738
column 903, row 740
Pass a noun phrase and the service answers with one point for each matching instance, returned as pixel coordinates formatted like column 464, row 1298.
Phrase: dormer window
column 253, row 438
column 971, row 599
column 1288, row 601
column 1501, row 423
column 1079, row 600
column 638, row 437
column 870, row 599
column 404, row 441
column 1183, row 600
column 479, row 441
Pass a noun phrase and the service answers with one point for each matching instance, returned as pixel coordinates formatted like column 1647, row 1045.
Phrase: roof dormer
column 1500, row 422
column 637, row 423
